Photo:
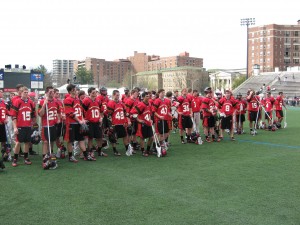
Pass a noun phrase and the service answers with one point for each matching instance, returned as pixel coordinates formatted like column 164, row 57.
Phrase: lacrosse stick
column 199, row 139
column 129, row 151
column 285, row 123
column 164, row 142
column 53, row 163
column 8, row 152
column 254, row 129
column 158, row 148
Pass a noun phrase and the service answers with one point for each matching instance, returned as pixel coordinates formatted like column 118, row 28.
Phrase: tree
column 47, row 75
column 238, row 81
column 84, row 76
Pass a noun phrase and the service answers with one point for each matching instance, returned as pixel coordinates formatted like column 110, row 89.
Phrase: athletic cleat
column 145, row 154
column 182, row 142
column 219, row 139
column 73, row 159
column 232, row 139
column 14, row 163
column 208, row 140
column 89, row 158
column 100, row 153
column 116, row 153
column 27, row 162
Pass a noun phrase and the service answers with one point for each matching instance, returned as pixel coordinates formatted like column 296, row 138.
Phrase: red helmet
column 163, row 152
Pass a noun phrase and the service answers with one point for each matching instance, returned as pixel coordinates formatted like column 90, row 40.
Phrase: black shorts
column 24, row 134
column 105, row 122
column 53, row 136
column 267, row 115
column 162, row 126
column 226, row 122
column 3, row 133
column 147, row 131
column 186, row 122
column 252, row 115
column 133, row 129
column 120, row 131
column 95, row 131
column 209, row 121
column 60, row 130
column 242, row 118
column 74, row 133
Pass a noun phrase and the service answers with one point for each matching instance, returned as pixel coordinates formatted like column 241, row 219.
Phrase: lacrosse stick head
column 35, row 137
column 129, row 150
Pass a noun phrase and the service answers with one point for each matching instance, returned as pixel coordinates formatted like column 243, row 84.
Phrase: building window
column 296, row 33
column 296, row 61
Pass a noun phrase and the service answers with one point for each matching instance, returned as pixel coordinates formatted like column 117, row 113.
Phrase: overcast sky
column 35, row 32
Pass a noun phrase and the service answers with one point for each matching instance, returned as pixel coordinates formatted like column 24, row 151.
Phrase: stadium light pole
column 247, row 22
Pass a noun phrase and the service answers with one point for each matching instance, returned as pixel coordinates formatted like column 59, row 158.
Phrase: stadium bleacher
column 289, row 83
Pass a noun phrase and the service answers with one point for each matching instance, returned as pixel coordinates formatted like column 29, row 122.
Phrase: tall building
column 273, row 46
column 105, row 71
column 62, row 71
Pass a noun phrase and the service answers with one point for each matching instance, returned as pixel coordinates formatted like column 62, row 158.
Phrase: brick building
column 142, row 62
column 274, row 46
column 105, row 71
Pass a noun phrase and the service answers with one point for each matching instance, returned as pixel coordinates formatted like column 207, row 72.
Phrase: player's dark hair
column 48, row 88
column 115, row 92
column 91, row 89
column 70, row 87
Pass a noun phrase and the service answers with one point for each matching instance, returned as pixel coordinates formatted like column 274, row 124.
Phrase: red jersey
column 253, row 103
column 144, row 112
column 61, row 105
column 279, row 102
column 130, row 103
column 196, row 104
column 117, row 111
column 124, row 98
column 227, row 106
column 24, row 112
column 73, row 108
column 92, row 109
column 241, row 106
column 268, row 103
column 3, row 111
column 208, row 103
column 160, row 106
column 184, row 105
column 104, row 100
column 53, row 110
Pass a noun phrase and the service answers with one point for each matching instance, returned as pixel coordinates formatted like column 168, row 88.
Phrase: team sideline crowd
column 91, row 123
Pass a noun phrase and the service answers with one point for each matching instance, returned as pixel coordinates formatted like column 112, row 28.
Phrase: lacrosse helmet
column 35, row 138
column 278, row 125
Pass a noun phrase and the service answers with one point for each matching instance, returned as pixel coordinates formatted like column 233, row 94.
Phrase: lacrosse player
column 24, row 115
column 93, row 115
column 74, row 121
column 51, row 119
column 209, row 107
column 241, row 108
column 160, row 108
column 278, row 107
column 227, row 106
column 117, row 115
column 253, row 110
column 3, row 122
column 143, row 110
column 130, row 103
column 185, row 116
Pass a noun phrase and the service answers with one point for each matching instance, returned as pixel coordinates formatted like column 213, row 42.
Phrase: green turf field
column 255, row 180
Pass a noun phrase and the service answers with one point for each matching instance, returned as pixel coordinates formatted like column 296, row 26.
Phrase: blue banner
column 1, row 74
column 36, row 77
